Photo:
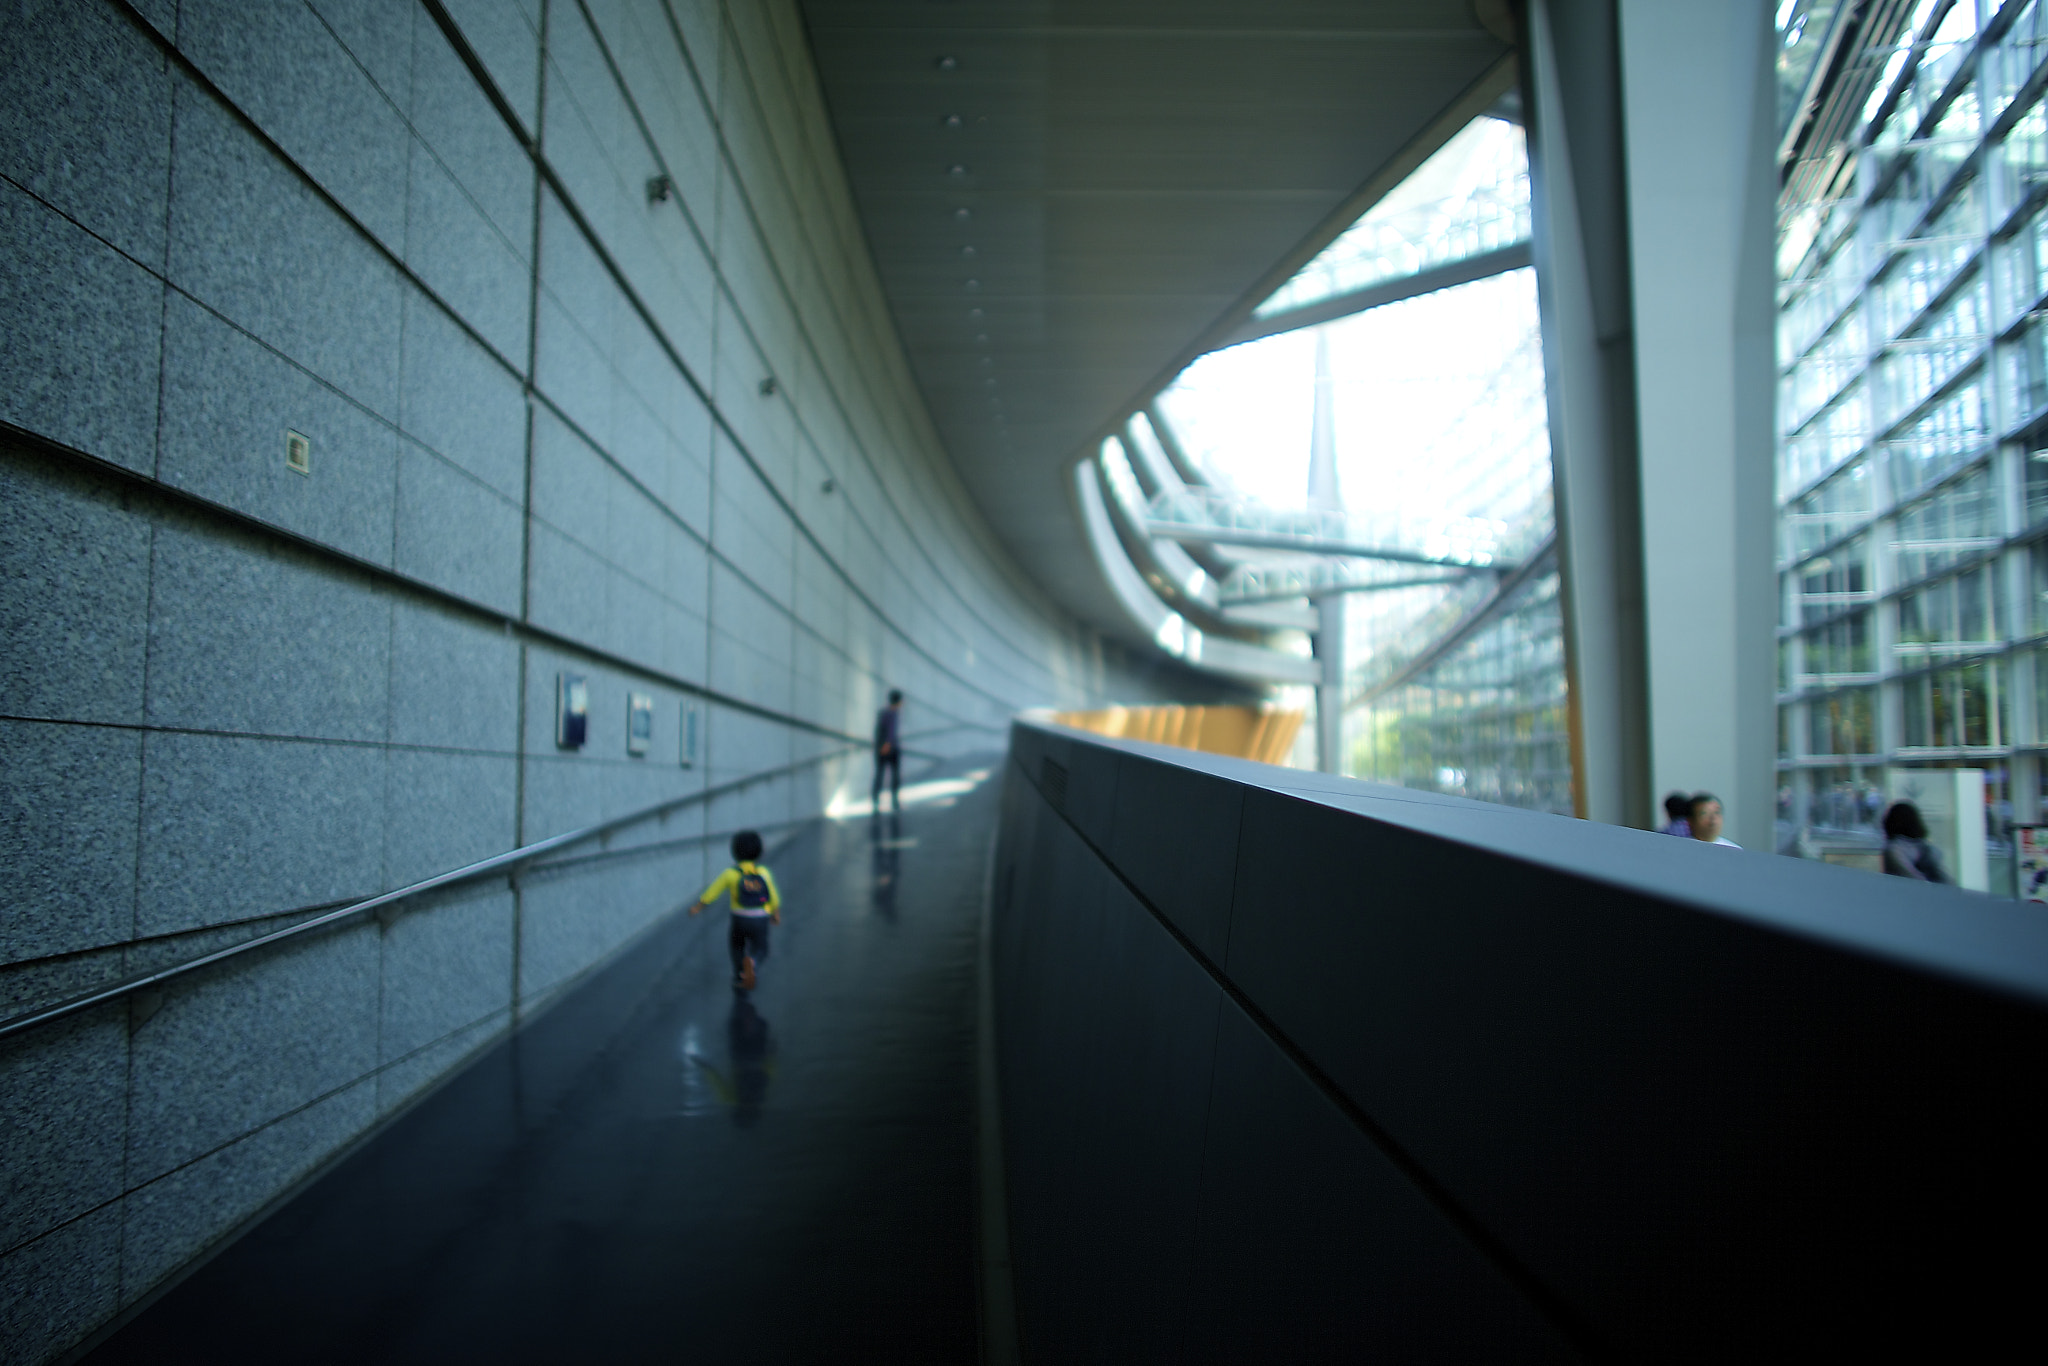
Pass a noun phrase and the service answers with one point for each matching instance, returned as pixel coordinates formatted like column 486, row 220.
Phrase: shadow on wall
column 1262, row 733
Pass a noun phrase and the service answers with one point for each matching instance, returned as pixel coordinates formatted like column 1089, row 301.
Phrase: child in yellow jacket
column 756, row 905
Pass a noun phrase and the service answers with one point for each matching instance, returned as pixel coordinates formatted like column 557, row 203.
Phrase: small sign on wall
column 639, row 722
column 688, row 735
column 572, row 710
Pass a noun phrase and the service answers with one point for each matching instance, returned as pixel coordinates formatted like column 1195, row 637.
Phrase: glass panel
column 1802, row 34
column 1918, row 717
column 1934, row 351
column 1961, row 519
column 1949, row 614
column 2037, row 487
column 1838, row 579
column 2020, row 160
column 2026, row 367
column 2023, row 267
column 1469, row 198
column 1840, row 647
column 1954, row 708
column 1955, row 136
column 1944, row 438
column 1832, row 511
column 1486, row 722
column 2037, row 592
column 1839, row 358
column 1810, row 311
column 2041, row 692
column 1907, row 109
column 1829, row 439
column 2021, row 50
column 1843, row 722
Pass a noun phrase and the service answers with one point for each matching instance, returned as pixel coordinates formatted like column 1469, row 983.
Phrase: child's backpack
column 753, row 890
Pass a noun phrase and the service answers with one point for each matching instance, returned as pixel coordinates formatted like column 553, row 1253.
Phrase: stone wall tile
column 74, row 596
column 245, row 637
column 67, row 836
column 229, row 401
column 85, row 123
column 235, row 827
column 80, row 352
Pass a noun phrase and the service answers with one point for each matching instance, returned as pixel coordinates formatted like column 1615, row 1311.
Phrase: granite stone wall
column 556, row 422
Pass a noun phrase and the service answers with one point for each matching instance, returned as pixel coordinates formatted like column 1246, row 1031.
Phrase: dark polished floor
column 658, row 1169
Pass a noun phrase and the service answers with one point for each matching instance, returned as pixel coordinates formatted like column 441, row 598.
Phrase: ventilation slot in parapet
column 1052, row 781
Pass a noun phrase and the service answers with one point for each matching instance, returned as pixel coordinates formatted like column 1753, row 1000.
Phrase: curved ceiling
column 1067, row 200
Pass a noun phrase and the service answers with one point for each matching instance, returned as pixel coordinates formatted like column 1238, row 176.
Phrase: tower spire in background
column 1323, row 492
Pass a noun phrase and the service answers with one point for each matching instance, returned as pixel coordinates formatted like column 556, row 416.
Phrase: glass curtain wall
column 1437, row 409
column 1913, row 419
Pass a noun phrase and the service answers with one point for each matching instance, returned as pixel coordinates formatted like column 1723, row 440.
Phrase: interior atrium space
column 1022, row 682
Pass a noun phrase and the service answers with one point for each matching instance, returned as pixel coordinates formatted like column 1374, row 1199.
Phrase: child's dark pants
column 748, row 938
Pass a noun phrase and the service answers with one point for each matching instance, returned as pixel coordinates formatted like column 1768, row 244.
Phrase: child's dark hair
column 746, row 846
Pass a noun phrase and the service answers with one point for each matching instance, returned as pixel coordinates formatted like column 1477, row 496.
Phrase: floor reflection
column 885, row 833
column 740, row 1086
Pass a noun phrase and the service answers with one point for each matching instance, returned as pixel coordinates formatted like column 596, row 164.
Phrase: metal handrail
column 525, row 853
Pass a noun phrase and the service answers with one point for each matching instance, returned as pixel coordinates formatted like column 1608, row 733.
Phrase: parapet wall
column 1299, row 1068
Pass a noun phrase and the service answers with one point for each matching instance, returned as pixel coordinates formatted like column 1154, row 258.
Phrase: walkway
column 656, row 1170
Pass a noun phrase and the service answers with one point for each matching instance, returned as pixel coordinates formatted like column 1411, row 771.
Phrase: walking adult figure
column 1906, row 850
column 888, row 752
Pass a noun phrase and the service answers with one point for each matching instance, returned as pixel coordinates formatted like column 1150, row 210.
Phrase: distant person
column 1675, row 808
column 889, row 752
column 755, row 906
column 1906, row 850
column 1703, row 819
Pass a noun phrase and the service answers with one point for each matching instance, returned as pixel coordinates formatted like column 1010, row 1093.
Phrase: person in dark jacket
column 888, row 752
column 1906, row 850
column 1676, row 808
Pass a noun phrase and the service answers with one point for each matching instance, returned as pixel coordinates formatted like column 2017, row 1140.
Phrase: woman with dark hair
column 1906, row 850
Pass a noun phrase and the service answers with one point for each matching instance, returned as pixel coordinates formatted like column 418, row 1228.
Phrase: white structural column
column 1580, row 243
column 1652, row 167
column 1325, row 494
column 1330, row 690
column 1699, row 112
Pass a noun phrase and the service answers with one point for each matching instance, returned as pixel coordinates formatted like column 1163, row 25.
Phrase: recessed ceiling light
column 956, row 170
column 974, row 284
column 974, row 313
column 963, row 214
column 948, row 63
column 952, row 121
column 967, row 251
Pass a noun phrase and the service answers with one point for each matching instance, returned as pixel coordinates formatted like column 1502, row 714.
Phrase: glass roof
column 1470, row 198
column 1438, row 400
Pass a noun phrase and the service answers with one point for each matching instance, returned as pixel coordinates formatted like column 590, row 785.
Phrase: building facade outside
column 1913, row 412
